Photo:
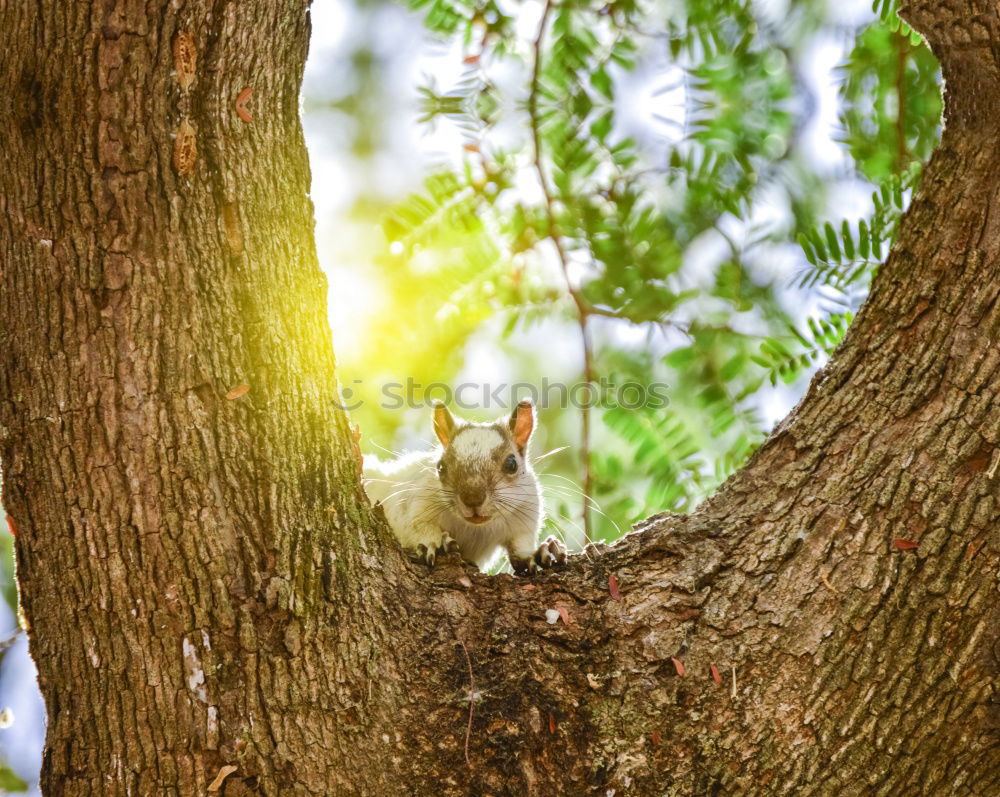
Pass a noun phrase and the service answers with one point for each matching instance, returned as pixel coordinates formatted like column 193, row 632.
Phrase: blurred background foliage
column 631, row 196
column 688, row 196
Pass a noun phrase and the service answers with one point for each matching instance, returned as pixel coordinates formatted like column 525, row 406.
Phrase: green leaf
column 831, row 240
column 864, row 244
column 602, row 126
column 845, row 235
column 807, row 248
column 601, row 81
column 10, row 780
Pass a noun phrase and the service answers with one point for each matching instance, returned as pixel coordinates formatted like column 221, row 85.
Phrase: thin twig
column 902, row 50
column 825, row 578
column 472, row 698
column 583, row 312
column 663, row 323
column 10, row 639
column 588, row 378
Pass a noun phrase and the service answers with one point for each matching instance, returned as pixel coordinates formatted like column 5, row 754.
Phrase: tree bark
column 207, row 586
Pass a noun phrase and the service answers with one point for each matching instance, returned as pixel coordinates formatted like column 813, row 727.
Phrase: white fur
column 406, row 488
column 477, row 442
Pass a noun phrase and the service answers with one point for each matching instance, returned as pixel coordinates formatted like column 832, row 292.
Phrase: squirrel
column 475, row 493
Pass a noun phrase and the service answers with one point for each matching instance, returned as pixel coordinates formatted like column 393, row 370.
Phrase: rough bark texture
column 207, row 586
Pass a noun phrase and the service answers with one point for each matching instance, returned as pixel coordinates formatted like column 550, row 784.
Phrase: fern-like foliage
column 600, row 209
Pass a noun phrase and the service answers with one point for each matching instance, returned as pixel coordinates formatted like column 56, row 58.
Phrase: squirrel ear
column 444, row 423
column 522, row 423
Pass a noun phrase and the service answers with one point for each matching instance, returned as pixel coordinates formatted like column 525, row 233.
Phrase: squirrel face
column 483, row 469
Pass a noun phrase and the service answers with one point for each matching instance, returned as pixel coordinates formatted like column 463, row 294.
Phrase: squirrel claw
column 425, row 554
column 428, row 554
column 551, row 553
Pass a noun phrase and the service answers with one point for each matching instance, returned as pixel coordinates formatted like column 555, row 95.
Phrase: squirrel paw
column 428, row 553
column 550, row 553
column 423, row 553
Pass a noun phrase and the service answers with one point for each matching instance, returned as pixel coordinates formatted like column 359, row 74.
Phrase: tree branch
column 582, row 309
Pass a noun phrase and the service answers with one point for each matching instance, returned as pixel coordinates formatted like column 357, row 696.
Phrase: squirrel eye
column 440, row 467
column 510, row 464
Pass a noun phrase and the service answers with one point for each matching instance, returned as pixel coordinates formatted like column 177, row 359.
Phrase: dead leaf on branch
column 185, row 59
column 185, row 148
column 613, row 588
column 970, row 551
column 224, row 772
column 238, row 392
column 241, row 100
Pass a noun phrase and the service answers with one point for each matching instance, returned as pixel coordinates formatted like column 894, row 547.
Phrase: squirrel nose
column 473, row 500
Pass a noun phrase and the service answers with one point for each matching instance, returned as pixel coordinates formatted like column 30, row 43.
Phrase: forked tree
column 207, row 586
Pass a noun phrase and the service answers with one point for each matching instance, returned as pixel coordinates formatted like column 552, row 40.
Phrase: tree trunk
column 207, row 586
